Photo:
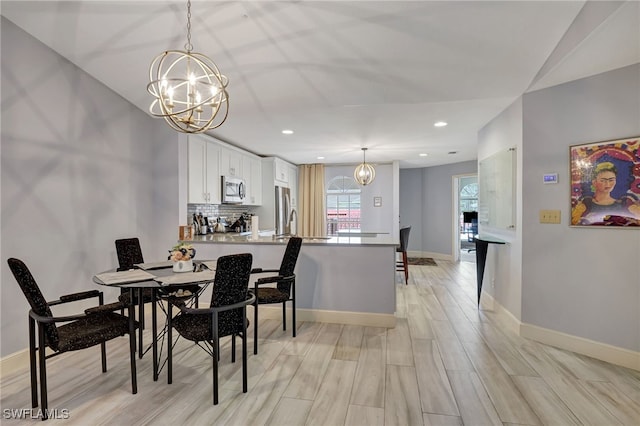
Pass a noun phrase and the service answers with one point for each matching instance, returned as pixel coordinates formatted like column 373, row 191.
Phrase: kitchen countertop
column 368, row 239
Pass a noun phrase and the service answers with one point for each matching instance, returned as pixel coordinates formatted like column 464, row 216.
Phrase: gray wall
column 426, row 203
column 503, row 269
column 583, row 282
column 80, row 168
column 373, row 219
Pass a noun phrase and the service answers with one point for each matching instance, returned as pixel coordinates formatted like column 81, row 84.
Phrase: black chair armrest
column 110, row 307
column 76, row 296
column 275, row 279
column 202, row 311
column 261, row 271
column 48, row 320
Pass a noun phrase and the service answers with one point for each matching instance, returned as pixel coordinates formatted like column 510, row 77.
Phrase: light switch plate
column 549, row 216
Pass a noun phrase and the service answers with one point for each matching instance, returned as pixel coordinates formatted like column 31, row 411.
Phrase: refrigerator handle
column 287, row 207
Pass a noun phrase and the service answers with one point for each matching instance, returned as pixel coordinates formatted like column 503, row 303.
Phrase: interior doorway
column 465, row 202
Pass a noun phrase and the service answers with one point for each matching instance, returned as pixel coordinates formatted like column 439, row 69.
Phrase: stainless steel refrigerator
column 283, row 211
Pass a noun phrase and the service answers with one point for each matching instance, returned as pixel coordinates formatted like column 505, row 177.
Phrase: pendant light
column 364, row 174
column 190, row 92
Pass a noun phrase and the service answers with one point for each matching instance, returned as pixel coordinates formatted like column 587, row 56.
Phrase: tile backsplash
column 218, row 210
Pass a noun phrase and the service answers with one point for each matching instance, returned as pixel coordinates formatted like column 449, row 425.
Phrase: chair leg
column 244, row 350
column 216, row 356
column 32, row 362
column 43, row 372
column 140, row 323
column 233, row 348
column 169, row 344
column 255, row 328
column 132, row 344
column 293, row 306
column 406, row 267
column 215, row 377
column 284, row 316
column 103, row 354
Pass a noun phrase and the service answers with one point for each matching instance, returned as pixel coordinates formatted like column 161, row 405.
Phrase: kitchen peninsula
column 341, row 279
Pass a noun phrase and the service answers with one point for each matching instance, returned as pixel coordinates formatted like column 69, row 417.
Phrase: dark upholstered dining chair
column 226, row 316
column 129, row 254
column 283, row 292
column 94, row 327
column 402, row 265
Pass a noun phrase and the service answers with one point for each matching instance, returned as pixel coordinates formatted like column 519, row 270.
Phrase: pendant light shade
column 190, row 92
column 364, row 174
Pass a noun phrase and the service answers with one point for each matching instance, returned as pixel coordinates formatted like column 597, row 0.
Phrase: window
column 343, row 205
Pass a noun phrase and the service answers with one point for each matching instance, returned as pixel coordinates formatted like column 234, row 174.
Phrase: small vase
column 183, row 266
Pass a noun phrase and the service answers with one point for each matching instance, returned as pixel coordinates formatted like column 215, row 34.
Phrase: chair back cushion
column 289, row 262
column 230, row 286
column 35, row 298
column 404, row 238
column 129, row 253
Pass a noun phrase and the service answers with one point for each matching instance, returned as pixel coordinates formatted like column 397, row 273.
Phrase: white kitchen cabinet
column 230, row 162
column 293, row 185
column 203, row 171
column 252, row 174
column 281, row 171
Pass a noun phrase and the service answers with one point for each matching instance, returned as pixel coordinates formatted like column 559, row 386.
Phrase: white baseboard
column 602, row 351
column 598, row 350
column 336, row 317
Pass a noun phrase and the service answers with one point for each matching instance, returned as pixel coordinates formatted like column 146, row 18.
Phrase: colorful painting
column 605, row 183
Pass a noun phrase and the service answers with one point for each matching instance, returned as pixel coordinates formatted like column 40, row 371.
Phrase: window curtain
column 311, row 201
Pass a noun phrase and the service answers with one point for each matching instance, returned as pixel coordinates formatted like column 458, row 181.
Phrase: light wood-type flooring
column 445, row 363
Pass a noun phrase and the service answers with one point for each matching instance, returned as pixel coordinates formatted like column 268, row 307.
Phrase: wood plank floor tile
column 508, row 401
column 440, row 420
column 398, row 340
column 349, row 344
column 264, row 396
column 580, row 401
column 401, row 402
column 435, row 391
column 625, row 408
column 332, row 402
column 290, row 412
column 544, row 402
column 361, row 415
column 307, row 380
column 473, row 401
column 368, row 387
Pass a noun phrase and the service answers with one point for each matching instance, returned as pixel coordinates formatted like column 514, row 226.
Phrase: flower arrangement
column 182, row 252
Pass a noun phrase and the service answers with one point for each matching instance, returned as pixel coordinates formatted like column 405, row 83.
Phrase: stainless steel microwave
column 234, row 190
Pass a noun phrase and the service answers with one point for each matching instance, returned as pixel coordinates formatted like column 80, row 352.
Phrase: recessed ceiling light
column 440, row 123
column 423, row 155
column 287, row 132
column 320, row 158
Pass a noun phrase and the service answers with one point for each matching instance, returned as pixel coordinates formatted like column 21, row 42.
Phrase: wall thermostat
column 550, row 178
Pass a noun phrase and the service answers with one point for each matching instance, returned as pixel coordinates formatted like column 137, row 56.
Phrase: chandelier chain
column 188, row 47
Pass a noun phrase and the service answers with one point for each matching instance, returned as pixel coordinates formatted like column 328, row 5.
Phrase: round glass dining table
column 164, row 283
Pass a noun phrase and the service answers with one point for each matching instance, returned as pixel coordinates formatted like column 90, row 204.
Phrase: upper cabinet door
column 293, row 185
column 252, row 174
column 230, row 162
column 196, row 181
column 203, row 180
column 214, row 182
column 281, row 171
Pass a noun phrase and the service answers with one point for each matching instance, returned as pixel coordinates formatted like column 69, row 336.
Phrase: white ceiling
column 348, row 74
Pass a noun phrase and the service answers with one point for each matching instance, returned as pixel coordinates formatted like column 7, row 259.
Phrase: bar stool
column 402, row 264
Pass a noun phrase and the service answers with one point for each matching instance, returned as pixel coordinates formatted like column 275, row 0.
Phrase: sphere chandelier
column 190, row 92
column 364, row 174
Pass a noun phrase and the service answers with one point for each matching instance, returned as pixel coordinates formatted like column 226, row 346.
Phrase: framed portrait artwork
column 605, row 183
